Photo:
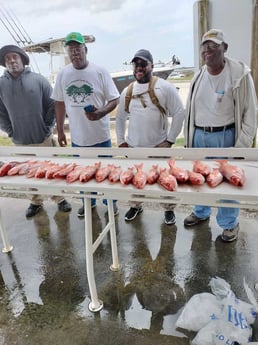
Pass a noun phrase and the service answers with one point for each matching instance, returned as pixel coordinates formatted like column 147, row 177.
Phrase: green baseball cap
column 74, row 36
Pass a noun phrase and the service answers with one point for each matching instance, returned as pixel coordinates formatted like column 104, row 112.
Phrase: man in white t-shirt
column 80, row 84
column 221, row 111
column 148, row 125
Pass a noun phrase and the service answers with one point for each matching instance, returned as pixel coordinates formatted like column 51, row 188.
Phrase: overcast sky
column 120, row 27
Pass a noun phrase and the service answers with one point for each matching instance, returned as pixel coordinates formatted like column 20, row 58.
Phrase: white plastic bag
column 220, row 318
column 230, row 326
column 219, row 332
column 199, row 310
column 222, row 290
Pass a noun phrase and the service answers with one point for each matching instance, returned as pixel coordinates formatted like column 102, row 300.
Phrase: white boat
column 162, row 70
column 55, row 48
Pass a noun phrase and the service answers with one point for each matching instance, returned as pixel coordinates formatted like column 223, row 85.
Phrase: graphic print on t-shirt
column 78, row 91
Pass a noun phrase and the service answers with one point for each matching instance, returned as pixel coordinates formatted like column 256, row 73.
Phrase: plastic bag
column 220, row 318
column 199, row 311
column 219, row 332
column 222, row 290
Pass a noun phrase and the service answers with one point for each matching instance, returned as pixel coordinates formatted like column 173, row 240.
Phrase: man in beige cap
column 221, row 111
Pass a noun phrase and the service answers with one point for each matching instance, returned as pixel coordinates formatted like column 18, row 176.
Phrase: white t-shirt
column 214, row 105
column 78, row 88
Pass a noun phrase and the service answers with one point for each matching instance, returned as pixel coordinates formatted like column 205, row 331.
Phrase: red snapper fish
column 235, row 175
column 196, row 178
column 214, row 178
column 6, row 167
column 63, row 172
column 114, row 175
column 167, row 180
column 102, row 173
column 53, row 169
column 39, row 170
column 25, row 168
column 31, row 172
column 202, row 168
column 74, row 175
column 180, row 174
column 140, row 178
column 126, row 176
column 88, row 172
column 153, row 174
column 21, row 168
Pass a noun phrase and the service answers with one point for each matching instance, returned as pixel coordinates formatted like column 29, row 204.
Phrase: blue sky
column 120, row 27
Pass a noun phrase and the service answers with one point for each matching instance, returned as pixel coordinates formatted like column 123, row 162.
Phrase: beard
column 145, row 78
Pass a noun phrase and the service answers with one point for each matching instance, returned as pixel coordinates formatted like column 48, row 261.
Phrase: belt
column 215, row 129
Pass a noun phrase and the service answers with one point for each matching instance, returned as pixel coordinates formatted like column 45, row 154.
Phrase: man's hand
column 165, row 144
column 62, row 140
column 93, row 116
column 123, row 145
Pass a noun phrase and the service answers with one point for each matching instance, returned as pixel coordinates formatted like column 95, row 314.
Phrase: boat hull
column 123, row 79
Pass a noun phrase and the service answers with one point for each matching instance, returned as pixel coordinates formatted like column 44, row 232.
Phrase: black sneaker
column 80, row 212
column 132, row 213
column 64, row 206
column 33, row 210
column 170, row 218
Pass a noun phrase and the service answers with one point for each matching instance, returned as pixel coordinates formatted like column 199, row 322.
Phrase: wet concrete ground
column 44, row 293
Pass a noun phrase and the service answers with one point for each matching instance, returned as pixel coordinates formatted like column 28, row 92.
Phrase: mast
column 16, row 30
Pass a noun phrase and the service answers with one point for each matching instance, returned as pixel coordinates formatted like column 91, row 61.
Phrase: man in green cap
column 83, row 85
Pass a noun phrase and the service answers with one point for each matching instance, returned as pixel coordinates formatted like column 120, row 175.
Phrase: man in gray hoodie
column 27, row 112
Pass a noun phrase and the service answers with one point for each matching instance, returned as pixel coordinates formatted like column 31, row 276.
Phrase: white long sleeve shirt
column 147, row 126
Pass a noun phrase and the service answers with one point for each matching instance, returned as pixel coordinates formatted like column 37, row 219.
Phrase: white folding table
column 223, row 195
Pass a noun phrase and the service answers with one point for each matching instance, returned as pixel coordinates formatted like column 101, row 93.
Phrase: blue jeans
column 227, row 217
column 103, row 144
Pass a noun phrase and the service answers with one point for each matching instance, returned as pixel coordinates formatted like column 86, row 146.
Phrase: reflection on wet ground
column 44, row 293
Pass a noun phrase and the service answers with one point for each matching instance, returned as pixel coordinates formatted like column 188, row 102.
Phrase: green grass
column 179, row 142
column 5, row 141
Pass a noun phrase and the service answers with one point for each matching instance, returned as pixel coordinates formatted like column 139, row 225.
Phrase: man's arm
column 60, row 119
column 249, row 114
column 5, row 123
column 121, row 117
column 48, row 105
column 177, row 111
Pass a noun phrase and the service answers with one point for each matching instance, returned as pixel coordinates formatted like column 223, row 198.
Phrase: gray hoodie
column 26, row 110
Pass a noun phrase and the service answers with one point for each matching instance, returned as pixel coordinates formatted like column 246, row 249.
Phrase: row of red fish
column 166, row 177
column 233, row 174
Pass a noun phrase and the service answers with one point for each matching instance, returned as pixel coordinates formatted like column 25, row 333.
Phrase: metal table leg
column 112, row 228
column 95, row 304
column 7, row 247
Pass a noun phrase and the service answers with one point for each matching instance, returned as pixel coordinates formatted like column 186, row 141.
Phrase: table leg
column 95, row 304
column 7, row 248
column 115, row 263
